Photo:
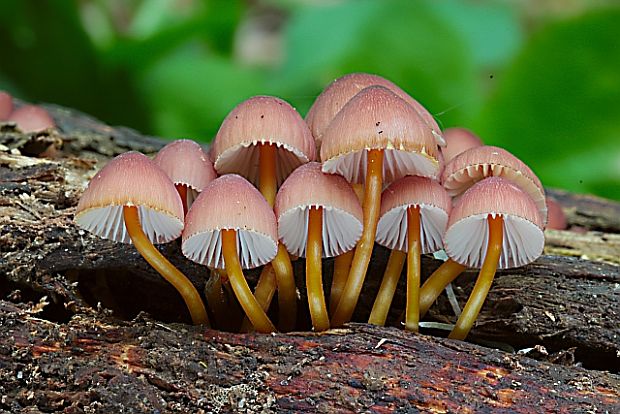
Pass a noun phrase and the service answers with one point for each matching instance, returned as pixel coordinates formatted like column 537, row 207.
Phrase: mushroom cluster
column 368, row 165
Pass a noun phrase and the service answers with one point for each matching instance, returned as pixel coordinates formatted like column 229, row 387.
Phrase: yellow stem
column 342, row 265
column 182, row 190
column 363, row 251
column 383, row 301
column 267, row 180
column 177, row 279
column 263, row 292
column 314, row 275
column 216, row 300
column 248, row 302
column 484, row 281
column 437, row 282
column 412, row 310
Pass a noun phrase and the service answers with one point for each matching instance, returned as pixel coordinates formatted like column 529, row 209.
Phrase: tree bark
column 73, row 338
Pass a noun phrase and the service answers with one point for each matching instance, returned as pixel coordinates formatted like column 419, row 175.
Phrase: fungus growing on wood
column 319, row 216
column 376, row 138
column 6, row 105
column 131, row 200
column 31, row 118
column 230, row 226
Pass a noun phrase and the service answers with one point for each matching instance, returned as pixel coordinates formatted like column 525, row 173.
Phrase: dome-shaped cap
column 230, row 203
column 309, row 187
column 478, row 163
column 31, row 118
column 186, row 163
column 6, row 105
column 341, row 90
column 376, row 118
column 131, row 179
column 433, row 202
column 262, row 119
column 467, row 236
column 458, row 140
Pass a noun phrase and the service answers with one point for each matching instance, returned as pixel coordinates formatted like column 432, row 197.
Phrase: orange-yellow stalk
column 437, row 282
column 248, row 302
column 484, row 281
column 263, row 292
column 182, row 190
column 285, row 279
column 381, row 307
column 177, row 279
column 342, row 265
column 412, row 310
column 314, row 275
column 363, row 251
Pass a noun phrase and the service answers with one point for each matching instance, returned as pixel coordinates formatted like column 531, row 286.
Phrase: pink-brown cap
column 341, row 90
column 467, row 236
column 458, row 140
column 230, row 203
column 556, row 219
column 32, row 118
column 186, row 163
column 131, row 179
column 309, row 187
column 262, row 119
column 376, row 118
column 434, row 204
column 6, row 105
column 478, row 163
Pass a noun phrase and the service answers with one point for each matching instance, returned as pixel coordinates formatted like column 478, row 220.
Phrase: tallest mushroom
column 376, row 138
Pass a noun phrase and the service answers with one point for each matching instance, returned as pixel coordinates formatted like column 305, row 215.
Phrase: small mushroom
column 376, row 137
column 458, row 140
column 414, row 214
column 230, row 226
column 264, row 139
column 131, row 200
column 6, row 105
column 31, row 118
column 319, row 216
column 556, row 219
column 495, row 224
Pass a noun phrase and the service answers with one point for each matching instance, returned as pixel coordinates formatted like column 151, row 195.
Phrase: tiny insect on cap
column 131, row 179
column 230, row 202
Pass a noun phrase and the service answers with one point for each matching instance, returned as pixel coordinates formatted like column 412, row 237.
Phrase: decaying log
column 563, row 309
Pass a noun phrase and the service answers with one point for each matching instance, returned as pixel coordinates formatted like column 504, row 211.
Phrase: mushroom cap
column 230, row 203
column 467, row 236
column 556, row 219
column 32, row 118
column 309, row 187
column 6, row 105
column 131, row 179
column 186, row 163
column 478, row 163
column 376, row 118
column 262, row 119
column 341, row 90
column 434, row 204
column 458, row 140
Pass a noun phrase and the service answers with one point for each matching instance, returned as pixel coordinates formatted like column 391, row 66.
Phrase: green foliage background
column 541, row 78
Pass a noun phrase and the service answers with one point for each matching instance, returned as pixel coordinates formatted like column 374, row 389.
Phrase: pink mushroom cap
column 6, row 105
column 458, row 140
column 467, row 235
column 556, row 219
column 434, row 204
column 32, row 118
column 309, row 187
column 131, row 179
column 230, row 202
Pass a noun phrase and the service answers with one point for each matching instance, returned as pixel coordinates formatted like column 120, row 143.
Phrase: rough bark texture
column 64, row 295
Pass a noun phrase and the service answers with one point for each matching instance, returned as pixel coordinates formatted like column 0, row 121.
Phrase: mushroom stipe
column 180, row 282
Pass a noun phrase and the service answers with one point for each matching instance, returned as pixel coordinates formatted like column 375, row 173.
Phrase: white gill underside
column 460, row 181
column 467, row 240
column 244, row 160
column 108, row 223
column 254, row 249
column 396, row 164
column 340, row 231
column 392, row 228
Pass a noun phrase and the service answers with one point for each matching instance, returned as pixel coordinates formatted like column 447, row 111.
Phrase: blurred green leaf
column 190, row 92
column 557, row 107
